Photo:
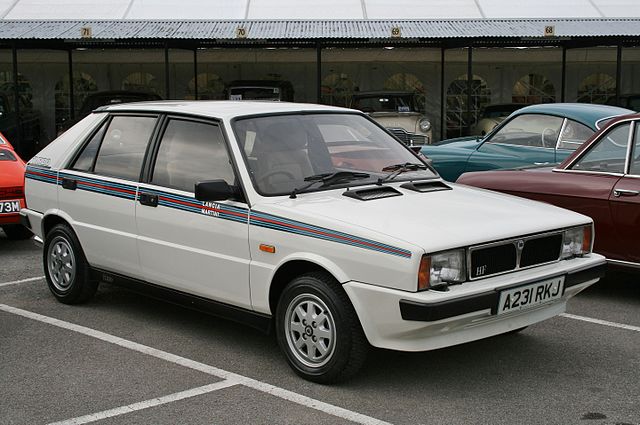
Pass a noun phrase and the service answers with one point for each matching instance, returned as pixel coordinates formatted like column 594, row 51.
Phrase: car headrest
column 284, row 136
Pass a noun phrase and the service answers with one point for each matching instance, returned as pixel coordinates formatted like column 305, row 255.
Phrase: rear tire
column 16, row 232
column 66, row 268
column 318, row 330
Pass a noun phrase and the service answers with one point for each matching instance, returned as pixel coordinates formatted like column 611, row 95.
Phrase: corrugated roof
column 315, row 9
column 319, row 29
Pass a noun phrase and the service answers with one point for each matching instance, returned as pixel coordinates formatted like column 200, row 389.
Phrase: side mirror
column 214, row 190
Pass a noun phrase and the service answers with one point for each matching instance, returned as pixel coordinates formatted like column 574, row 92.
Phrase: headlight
column 576, row 242
column 441, row 269
column 424, row 124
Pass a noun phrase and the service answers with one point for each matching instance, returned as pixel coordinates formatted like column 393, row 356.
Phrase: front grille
column 514, row 254
column 407, row 138
column 541, row 250
column 493, row 260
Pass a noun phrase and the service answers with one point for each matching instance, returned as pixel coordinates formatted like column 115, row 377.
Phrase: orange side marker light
column 268, row 248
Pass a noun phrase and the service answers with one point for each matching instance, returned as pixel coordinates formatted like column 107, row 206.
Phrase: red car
column 11, row 191
column 601, row 179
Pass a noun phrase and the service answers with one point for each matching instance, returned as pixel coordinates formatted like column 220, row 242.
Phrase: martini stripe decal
column 285, row 225
column 216, row 210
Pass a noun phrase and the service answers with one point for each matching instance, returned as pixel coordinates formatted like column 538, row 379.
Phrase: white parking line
column 15, row 282
column 147, row 404
column 602, row 322
column 192, row 364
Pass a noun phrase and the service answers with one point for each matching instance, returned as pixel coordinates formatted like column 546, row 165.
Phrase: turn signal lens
column 267, row 248
column 424, row 272
column 587, row 239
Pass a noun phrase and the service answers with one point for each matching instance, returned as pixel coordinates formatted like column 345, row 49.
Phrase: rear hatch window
column 7, row 155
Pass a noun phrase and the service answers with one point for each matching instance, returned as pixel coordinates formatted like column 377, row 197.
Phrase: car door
column 98, row 190
column 196, row 247
column 625, row 203
column 602, row 169
column 526, row 139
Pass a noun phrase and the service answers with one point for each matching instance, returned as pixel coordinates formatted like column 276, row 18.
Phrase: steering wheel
column 272, row 173
column 545, row 132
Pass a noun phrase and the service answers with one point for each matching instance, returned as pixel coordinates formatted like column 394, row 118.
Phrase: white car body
column 374, row 248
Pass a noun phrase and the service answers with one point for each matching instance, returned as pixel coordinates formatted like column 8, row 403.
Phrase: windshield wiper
column 398, row 169
column 328, row 178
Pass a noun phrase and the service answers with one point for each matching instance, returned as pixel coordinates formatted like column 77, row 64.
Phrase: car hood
column 468, row 142
column 433, row 221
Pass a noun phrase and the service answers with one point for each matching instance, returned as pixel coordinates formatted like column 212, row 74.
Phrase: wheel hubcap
column 61, row 264
column 310, row 330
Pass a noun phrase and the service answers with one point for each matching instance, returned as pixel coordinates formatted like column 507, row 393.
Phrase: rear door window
column 123, row 147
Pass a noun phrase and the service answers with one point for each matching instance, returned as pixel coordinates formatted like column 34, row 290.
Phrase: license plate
column 8, row 207
column 530, row 295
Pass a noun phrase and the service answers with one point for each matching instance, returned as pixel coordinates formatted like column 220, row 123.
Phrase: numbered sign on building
column 550, row 31
column 396, row 32
column 241, row 32
column 86, row 32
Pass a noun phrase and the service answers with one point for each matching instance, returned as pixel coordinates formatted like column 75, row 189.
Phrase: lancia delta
column 311, row 221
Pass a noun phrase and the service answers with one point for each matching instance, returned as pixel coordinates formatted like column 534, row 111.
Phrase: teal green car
column 534, row 135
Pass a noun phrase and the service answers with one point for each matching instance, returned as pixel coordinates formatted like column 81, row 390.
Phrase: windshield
column 281, row 151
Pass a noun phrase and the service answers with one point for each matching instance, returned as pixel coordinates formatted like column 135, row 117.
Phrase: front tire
column 66, row 268
column 318, row 329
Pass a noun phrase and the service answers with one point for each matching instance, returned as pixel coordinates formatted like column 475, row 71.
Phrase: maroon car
column 601, row 180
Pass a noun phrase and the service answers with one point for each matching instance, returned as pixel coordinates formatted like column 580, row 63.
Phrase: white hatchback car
column 309, row 219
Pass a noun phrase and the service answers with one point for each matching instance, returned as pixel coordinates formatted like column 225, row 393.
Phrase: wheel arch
column 53, row 218
column 296, row 266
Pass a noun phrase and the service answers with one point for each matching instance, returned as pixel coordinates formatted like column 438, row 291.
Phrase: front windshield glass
column 281, row 151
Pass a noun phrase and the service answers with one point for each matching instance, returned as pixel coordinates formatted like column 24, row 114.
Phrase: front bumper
column 431, row 312
column 421, row 321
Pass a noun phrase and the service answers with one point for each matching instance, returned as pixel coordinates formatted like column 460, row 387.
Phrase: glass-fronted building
column 60, row 61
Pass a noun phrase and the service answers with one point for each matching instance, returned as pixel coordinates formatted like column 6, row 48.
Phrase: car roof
column 585, row 113
column 224, row 109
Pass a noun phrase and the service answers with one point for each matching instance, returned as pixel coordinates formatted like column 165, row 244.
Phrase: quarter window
column 573, row 135
column 124, row 146
column 530, row 130
column 85, row 160
column 191, row 152
column 609, row 153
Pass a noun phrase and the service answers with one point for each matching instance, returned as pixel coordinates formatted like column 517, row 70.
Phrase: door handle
column 69, row 184
column 624, row 192
column 149, row 199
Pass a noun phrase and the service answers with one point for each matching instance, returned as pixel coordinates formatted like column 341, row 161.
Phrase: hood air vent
column 372, row 193
column 426, row 186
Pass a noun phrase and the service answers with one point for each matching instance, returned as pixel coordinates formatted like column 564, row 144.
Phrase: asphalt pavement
column 126, row 359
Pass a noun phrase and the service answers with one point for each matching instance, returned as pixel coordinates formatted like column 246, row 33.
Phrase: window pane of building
column 591, row 74
column 411, row 72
